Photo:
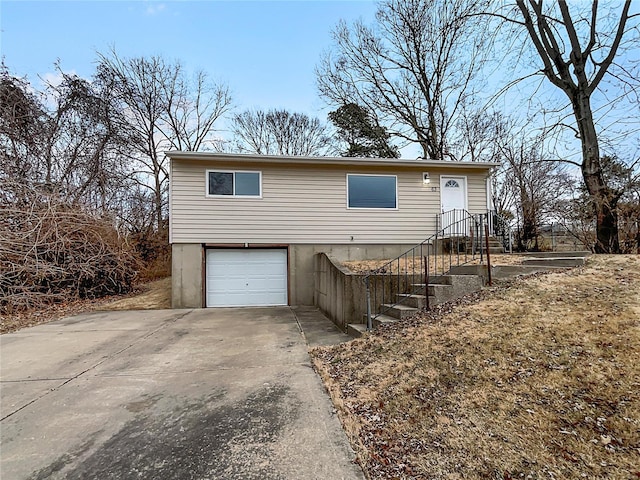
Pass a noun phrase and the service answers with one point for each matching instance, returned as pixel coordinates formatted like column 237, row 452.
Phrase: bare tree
column 279, row 132
column 68, row 143
column 579, row 50
column 62, row 181
column 414, row 68
column 479, row 133
column 164, row 111
column 193, row 111
column 86, row 138
column 536, row 186
column 577, row 217
column 252, row 132
column 23, row 121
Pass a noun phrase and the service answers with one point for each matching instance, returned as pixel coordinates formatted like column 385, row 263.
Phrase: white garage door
column 246, row 277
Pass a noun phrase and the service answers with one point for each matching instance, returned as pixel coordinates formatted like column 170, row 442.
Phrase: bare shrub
column 153, row 249
column 629, row 226
column 53, row 251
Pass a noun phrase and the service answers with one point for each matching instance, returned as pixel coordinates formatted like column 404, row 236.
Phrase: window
column 236, row 184
column 372, row 191
column 452, row 184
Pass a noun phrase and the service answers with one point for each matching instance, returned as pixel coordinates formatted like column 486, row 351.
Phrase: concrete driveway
column 168, row 394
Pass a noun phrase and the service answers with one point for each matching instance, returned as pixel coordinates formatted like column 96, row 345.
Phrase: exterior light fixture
column 425, row 178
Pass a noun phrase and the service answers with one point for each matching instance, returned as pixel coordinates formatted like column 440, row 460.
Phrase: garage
column 246, row 277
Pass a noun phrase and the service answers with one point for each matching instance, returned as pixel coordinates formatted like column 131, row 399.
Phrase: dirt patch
column 148, row 296
column 151, row 296
column 536, row 378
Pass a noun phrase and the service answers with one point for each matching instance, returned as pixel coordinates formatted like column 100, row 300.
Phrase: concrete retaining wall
column 341, row 294
column 500, row 272
column 303, row 267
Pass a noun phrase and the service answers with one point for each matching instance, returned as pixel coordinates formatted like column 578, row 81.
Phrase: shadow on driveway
column 184, row 394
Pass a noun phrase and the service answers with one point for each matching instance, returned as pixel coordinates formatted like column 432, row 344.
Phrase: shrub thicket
column 52, row 251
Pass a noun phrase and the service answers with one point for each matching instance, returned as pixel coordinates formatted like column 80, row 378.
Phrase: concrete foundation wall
column 186, row 275
column 188, row 259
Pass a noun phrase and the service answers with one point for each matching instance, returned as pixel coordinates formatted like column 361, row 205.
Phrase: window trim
column 233, row 195
column 384, row 209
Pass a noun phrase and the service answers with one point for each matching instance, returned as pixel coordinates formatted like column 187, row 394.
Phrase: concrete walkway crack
column 92, row 367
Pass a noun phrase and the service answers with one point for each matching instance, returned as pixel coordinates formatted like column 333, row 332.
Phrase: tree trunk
column 601, row 195
column 158, row 204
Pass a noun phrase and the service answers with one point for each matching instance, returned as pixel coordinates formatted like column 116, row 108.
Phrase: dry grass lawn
column 443, row 262
column 538, row 378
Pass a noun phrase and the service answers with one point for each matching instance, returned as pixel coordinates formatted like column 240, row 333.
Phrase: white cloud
column 155, row 8
column 53, row 78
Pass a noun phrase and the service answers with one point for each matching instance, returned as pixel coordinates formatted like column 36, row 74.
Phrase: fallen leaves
column 534, row 378
column 152, row 295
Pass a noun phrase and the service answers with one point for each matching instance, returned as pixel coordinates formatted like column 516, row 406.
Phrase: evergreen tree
column 360, row 130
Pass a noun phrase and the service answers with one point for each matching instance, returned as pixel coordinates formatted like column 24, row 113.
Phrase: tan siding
column 477, row 193
column 305, row 205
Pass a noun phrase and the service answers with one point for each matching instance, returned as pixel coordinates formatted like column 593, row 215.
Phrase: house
column 244, row 229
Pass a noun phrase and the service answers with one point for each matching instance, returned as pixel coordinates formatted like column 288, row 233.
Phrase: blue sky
column 265, row 51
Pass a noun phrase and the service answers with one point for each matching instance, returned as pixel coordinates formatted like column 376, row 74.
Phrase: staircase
column 494, row 246
column 470, row 246
column 394, row 289
column 441, row 289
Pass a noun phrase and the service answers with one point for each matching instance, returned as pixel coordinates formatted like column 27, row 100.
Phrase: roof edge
column 354, row 161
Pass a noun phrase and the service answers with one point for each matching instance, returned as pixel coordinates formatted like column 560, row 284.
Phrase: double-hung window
column 221, row 183
column 372, row 191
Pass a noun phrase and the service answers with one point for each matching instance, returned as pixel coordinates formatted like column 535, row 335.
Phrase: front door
column 453, row 198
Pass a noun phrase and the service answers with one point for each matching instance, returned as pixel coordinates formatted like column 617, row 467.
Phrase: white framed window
column 231, row 183
column 372, row 191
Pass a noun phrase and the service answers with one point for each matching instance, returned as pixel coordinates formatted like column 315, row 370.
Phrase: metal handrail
column 392, row 283
column 500, row 228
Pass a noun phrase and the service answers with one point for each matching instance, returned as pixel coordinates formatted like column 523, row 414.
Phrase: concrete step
column 456, row 286
column 496, row 245
column 439, row 280
column 414, row 300
column 492, row 252
column 555, row 261
column 356, row 329
column 398, row 311
column 436, row 290
column 383, row 319
column 441, row 288
column 504, row 271
column 580, row 253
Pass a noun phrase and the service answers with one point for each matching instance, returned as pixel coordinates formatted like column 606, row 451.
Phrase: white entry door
column 453, row 197
column 246, row 277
